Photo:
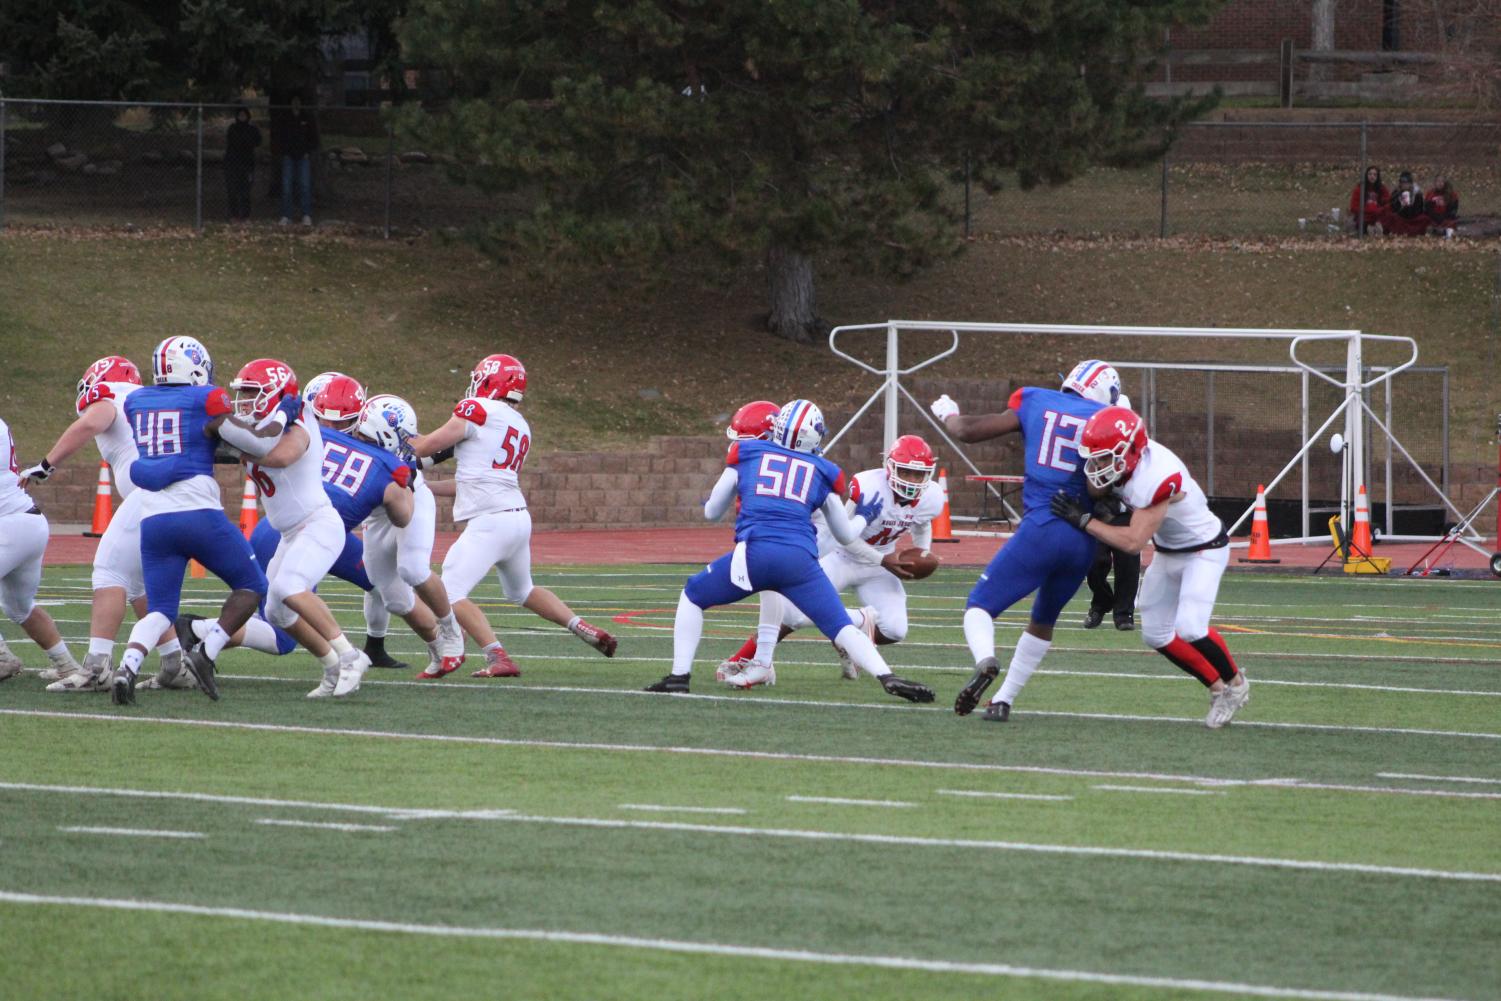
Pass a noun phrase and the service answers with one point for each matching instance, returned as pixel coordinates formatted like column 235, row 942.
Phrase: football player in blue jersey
column 178, row 423
column 780, row 483
column 1046, row 554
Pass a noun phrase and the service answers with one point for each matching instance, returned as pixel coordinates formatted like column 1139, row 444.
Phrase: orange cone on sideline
column 943, row 531
column 195, row 569
column 104, row 504
column 249, row 515
column 1261, row 536
column 1360, row 539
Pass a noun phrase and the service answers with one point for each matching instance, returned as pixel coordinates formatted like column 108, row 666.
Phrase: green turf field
column 565, row 835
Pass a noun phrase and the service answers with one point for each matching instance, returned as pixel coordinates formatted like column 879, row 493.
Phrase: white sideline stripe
column 664, row 808
column 722, row 752
column 816, row 835
column 275, row 822
column 710, row 949
column 1178, row 792
column 1437, row 778
column 132, row 832
column 1004, row 795
column 843, row 801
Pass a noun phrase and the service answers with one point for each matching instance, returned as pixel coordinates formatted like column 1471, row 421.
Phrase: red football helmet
column 339, row 402
column 261, row 385
column 753, row 421
column 498, row 377
column 909, row 466
column 109, row 369
column 1111, row 446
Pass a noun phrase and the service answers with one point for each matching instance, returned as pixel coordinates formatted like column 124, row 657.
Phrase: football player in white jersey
column 1179, row 587
column 911, row 499
column 117, row 577
column 23, row 540
column 490, row 440
column 284, row 456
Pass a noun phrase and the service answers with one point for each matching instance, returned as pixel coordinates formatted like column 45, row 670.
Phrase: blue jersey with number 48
column 1052, row 422
column 779, row 491
column 356, row 474
column 168, row 424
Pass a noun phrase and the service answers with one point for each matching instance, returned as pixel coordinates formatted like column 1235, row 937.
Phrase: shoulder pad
column 217, row 403
column 471, row 410
column 1015, row 402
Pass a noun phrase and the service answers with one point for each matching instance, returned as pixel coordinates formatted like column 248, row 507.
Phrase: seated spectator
column 1406, row 214
column 1371, row 193
column 1443, row 204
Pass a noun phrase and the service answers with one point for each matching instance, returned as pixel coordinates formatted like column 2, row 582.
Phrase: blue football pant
column 791, row 571
column 1049, row 556
column 169, row 540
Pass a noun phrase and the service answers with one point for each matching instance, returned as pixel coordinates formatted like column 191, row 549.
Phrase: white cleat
column 10, row 665
column 326, row 687
column 95, row 676
column 352, row 668
column 56, row 671
column 450, row 641
column 754, row 674
column 1224, row 706
column 171, row 675
column 730, row 668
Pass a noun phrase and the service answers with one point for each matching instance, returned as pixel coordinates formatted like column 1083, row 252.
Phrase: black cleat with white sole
column 202, row 669
column 675, row 684
column 969, row 696
column 375, row 649
column 912, row 691
column 122, row 690
column 997, row 712
column 184, row 628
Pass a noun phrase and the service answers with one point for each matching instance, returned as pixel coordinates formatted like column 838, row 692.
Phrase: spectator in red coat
column 1443, row 204
column 1373, row 194
column 1407, row 212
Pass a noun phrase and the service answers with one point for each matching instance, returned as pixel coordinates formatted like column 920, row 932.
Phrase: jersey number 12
column 1060, row 432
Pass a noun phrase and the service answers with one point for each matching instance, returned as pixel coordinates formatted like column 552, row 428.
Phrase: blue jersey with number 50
column 779, row 491
column 1052, row 422
column 355, row 474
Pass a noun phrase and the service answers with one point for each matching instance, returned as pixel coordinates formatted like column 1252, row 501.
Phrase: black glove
column 1070, row 510
column 1112, row 511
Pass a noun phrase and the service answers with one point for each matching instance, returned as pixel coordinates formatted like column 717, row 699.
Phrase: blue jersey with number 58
column 356, row 474
column 779, row 491
column 1052, row 422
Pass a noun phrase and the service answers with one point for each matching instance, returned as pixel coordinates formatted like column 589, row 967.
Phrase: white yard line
column 977, row 794
column 709, row 949
column 843, row 801
column 665, row 808
column 132, row 832
column 1437, row 778
column 1179, row 792
column 275, row 822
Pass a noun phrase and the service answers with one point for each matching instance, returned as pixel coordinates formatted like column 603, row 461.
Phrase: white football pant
column 1177, row 595
column 23, row 540
column 502, row 540
column 302, row 560
column 117, row 561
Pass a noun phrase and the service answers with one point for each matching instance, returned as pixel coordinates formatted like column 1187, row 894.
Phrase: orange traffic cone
column 943, row 530
column 248, row 513
column 1360, row 539
column 1261, row 536
column 104, row 504
column 195, row 569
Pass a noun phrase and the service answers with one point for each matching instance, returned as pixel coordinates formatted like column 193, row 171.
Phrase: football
column 918, row 563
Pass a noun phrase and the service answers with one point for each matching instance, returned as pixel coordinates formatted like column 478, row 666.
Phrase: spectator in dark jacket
column 1371, row 193
column 240, row 143
column 1406, row 213
column 297, row 140
column 1443, row 204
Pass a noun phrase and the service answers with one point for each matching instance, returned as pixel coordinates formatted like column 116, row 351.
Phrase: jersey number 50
column 785, row 477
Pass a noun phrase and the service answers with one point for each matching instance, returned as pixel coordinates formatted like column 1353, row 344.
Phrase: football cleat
column 436, row 668
column 498, row 664
column 595, row 637
column 727, row 669
column 675, row 684
column 122, row 690
column 754, row 674
column 95, row 676
column 171, row 675
column 327, row 685
column 997, row 712
column 375, row 649
column 1224, row 706
column 1125, row 621
column 352, row 667
column 969, row 696
column 912, row 691
column 10, row 665
column 55, row 671
column 184, row 629
column 450, row 639
column 1093, row 618
column 202, row 668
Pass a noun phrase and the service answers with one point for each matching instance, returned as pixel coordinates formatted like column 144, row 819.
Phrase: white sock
column 330, row 659
column 340, row 644
column 769, row 627
column 259, row 636
column 492, row 646
column 200, row 628
column 101, row 645
column 170, row 647
column 377, row 615
column 131, row 662
column 59, row 654
column 979, row 633
column 687, row 630
column 1024, row 660
column 448, row 622
column 862, row 651
column 215, row 642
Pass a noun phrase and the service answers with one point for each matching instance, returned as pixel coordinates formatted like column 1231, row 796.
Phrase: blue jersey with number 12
column 1052, row 422
column 779, row 491
column 356, row 474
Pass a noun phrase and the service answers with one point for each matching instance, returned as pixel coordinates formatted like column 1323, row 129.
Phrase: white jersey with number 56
column 496, row 440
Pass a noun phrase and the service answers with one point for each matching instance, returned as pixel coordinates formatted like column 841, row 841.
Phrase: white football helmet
column 380, row 418
column 182, row 361
column 1094, row 380
column 315, row 386
column 799, row 426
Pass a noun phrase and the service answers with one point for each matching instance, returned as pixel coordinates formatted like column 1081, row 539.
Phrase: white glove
column 943, row 408
column 1124, row 401
column 39, row 472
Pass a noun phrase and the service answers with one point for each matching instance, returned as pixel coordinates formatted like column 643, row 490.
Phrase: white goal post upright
column 1353, row 389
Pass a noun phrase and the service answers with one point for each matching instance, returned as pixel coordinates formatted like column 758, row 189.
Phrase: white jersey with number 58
column 496, row 440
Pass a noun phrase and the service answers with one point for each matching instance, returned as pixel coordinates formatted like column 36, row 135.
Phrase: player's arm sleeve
column 922, row 536
column 398, row 503
column 256, row 441
column 723, row 495
column 844, row 528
